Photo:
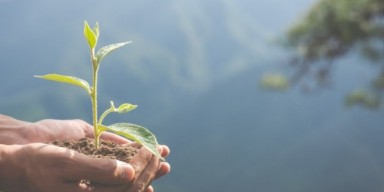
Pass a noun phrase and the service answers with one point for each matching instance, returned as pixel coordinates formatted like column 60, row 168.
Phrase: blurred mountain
column 239, row 138
column 181, row 48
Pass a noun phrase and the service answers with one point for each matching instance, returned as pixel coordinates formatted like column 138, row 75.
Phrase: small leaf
column 126, row 107
column 136, row 133
column 67, row 79
column 96, row 30
column 102, row 52
column 90, row 35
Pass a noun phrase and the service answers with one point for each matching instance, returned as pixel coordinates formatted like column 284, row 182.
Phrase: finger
column 164, row 169
column 147, row 175
column 116, row 138
column 164, row 150
column 141, row 159
column 150, row 189
column 106, row 171
column 87, row 128
column 50, row 129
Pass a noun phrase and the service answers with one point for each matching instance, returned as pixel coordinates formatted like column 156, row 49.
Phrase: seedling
column 132, row 132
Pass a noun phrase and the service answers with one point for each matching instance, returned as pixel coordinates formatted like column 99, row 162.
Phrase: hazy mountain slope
column 179, row 47
column 238, row 138
column 188, row 44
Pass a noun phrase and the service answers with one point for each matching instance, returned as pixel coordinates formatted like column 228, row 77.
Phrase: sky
column 194, row 69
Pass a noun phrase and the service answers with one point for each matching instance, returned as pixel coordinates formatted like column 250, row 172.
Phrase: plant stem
column 104, row 115
column 95, row 67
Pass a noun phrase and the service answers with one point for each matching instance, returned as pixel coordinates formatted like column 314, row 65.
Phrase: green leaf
column 136, row 133
column 67, row 79
column 102, row 52
column 90, row 35
column 124, row 108
column 96, row 31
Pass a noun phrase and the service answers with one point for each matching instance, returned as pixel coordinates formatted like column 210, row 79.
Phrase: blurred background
column 250, row 95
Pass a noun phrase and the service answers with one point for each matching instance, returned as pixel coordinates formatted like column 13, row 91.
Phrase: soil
column 107, row 149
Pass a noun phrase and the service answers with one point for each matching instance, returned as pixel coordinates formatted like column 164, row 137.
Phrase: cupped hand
column 41, row 167
column 147, row 167
column 14, row 131
column 51, row 129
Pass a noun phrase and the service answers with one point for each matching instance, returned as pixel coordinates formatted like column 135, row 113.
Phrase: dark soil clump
column 107, row 149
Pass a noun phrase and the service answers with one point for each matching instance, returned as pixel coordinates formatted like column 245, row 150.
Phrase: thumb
column 124, row 171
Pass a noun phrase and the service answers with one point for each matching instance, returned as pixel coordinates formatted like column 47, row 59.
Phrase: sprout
column 133, row 132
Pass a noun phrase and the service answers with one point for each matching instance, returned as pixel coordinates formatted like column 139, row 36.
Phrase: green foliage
column 91, row 35
column 277, row 82
column 378, row 82
column 67, row 79
column 136, row 133
column 102, row 52
column 330, row 30
column 332, row 27
column 362, row 97
column 123, row 108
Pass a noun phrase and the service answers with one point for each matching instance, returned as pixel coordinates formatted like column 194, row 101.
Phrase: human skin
column 27, row 164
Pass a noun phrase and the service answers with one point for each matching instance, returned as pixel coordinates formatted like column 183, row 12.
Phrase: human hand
column 41, row 167
column 148, row 167
column 14, row 131
column 50, row 129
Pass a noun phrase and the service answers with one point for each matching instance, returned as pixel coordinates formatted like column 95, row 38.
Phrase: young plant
column 132, row 132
